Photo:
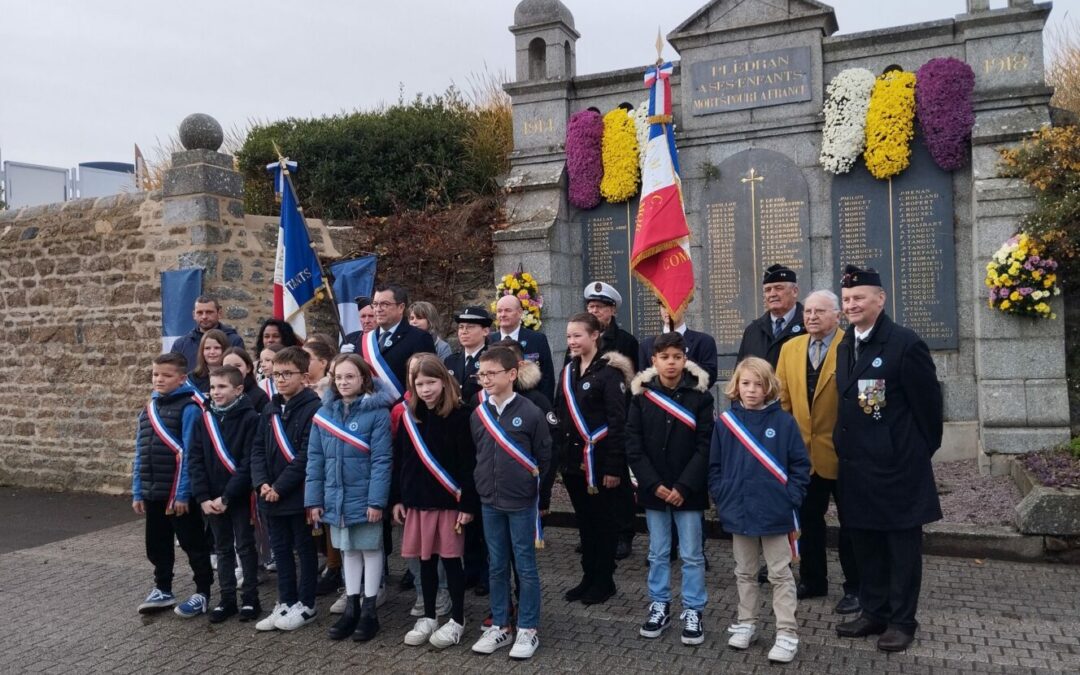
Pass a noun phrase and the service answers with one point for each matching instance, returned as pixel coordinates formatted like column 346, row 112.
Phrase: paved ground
column 35, row 517
column 69, row 606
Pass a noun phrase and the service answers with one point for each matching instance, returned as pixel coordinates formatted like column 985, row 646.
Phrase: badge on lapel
column 877, row 362
column 770, row 433
column 353, row 426
column 796, row 328
column 585, row 386
column 516, row 422
column 872, row 397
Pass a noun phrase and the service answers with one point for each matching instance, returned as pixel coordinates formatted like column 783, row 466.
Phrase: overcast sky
column 83, row 81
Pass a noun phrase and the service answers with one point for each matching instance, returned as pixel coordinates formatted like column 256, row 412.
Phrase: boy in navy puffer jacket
column 758, row 473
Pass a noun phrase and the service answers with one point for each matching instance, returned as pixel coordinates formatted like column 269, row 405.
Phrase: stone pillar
column 204, row 208
column 1019, row 362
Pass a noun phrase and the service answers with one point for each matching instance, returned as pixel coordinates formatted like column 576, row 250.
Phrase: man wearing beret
column 783, row 318
column 889, row 424
column 473, row 326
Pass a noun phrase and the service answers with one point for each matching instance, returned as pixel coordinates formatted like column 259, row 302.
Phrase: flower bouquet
column 1021, row 280
column 524, row 286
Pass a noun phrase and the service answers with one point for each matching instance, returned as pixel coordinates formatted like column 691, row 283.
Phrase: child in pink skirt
column 433, row 493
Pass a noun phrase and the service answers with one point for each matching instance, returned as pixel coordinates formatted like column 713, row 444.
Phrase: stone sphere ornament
column 200, row 131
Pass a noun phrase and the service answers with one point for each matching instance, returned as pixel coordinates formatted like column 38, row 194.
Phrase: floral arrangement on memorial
column 584, row 163
column 1022, row 279
column 619, row 149
column 641, row 128
column 943, row 89
column 890, row 124
column 844, row 137
column 524, row 286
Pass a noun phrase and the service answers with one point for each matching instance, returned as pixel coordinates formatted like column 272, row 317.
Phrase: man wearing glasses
column 389, row 345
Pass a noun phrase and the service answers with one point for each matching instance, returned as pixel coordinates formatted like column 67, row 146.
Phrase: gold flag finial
column 659, row 47
column 282, row 159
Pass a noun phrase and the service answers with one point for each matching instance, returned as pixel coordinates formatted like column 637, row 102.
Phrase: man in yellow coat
column 807, row 369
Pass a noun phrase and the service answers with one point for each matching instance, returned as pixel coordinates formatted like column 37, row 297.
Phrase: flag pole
column 327, row 286
column 659, row 63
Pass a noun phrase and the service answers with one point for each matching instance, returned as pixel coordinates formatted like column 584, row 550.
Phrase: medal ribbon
column 369, row 347
column 668, row 405
column 591, row 438
column 428, row 459
column 339, row 432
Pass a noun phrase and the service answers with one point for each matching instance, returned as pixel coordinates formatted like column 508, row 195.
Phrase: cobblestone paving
column 69, row 606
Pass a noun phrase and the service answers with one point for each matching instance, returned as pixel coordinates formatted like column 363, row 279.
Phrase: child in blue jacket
column 348, row 484
column 758, row 473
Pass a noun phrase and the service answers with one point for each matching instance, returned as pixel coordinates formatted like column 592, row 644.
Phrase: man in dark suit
column 782, row 320
column 700, row 347
column 473, row 326
column 389, row 345
column 534, row 344
column 889, row 424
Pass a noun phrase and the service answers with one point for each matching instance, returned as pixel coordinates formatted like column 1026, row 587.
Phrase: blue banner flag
column 297, row 277
column 352, row 278
column 179, row 288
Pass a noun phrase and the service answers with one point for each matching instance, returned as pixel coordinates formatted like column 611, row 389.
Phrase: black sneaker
column 222, row 612
column 407, row 582
column 250, row 612
column 692, row 632
column 658, row 621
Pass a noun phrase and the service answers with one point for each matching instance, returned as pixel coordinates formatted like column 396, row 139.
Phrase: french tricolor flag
column 297, row 277
column 661, row 254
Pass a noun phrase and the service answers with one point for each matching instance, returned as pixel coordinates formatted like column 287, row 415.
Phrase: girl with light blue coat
column 348, row 484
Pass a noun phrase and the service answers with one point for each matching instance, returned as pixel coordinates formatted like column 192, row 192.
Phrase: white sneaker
column 213, row 561
column 339, row 605
column 417, row 607
column 784, row 649
column 442, row 603
column 268, row 622
column 449, row 635
column 525, row 645
column 421, row 632
column 298, row 616
column 742, row 635
column 492, row 639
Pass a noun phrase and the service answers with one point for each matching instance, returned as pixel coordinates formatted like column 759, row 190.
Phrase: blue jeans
column 512, row 533
column 288, row 534
column 688, row 523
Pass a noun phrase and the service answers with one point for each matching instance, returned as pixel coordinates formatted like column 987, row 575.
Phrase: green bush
column 406, row 156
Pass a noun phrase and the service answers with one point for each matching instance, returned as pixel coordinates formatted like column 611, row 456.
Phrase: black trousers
column 476, row 557
column 234, row 535
column 190, row 530
column 598, row 528
column 813, row 572
column 890, row 573
column 626, row 510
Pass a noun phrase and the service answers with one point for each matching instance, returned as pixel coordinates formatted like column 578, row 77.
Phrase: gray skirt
column 362, row 537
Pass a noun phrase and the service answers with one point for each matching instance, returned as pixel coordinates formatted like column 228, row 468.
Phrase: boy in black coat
column 668, row 429
column 220, row 466
column 278, row 472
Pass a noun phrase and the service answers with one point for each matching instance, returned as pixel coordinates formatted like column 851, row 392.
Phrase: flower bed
column 1050, row 481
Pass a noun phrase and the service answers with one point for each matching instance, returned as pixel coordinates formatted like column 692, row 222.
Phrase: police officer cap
column 606, row 293
column 777, row 273
column 854, row 276
column 477, row 315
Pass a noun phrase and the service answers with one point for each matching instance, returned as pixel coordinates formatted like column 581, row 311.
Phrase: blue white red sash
column 591, row 438
column 158, row 425
column 283, row 443
column 268, row 386
column 341, row 433
column 218, row 442
column 428, row 459
column 520, row 456
column 668, row 405
column 369, row 347
column 199, row 397
column 743, row 435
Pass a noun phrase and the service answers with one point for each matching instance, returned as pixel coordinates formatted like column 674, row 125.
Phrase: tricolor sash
column 591, row 438
column 369, row 347
column 158, row 425
column 341, row 433
column 199, row 397
column 218, row 442
column 518, row 454
column 283, row 443
column 755, row 448
column 268, row 386
column 668, row 405
column 428, row 459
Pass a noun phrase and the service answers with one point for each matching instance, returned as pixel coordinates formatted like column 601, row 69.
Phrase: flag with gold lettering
column 661, row 254
column 297, row 277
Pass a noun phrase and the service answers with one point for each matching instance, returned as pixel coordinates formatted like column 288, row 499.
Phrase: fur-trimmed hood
column 528, row 375
column 621, row 363
column 649, row 375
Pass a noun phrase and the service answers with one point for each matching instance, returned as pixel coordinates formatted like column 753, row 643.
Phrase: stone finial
column 534, row 12
column 200, row 131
